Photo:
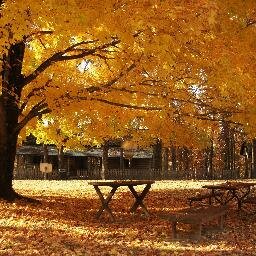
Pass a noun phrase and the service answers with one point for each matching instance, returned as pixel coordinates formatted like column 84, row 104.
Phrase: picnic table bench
column 238, row 191
column 195, row 216
column 204, row 196
column 250, row 200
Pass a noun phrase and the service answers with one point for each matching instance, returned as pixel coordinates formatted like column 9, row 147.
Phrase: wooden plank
column 105, row 202
column 121, row 183
column 139, row 199
column 196, row 215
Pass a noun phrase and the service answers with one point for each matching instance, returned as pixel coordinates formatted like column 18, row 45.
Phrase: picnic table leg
column 224, row 198
column 215, row 197
column 105, row 202
column 240, row 198
column 139, row 198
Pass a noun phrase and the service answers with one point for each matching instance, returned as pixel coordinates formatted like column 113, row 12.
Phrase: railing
column 33, row 173
column 121, row 174
column 93, row 174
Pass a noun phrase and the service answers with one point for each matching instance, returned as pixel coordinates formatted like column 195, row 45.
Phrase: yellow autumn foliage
column 173, row 65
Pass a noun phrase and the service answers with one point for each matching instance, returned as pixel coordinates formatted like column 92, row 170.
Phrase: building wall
column 27, row 166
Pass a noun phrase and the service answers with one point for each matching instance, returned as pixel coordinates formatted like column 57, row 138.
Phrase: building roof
column 97, row 152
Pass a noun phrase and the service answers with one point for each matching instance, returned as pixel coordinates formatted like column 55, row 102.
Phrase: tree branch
column 117, row 104
column 38, row 33
column 196, row 102
column 37, row 110
column 127, row 105
column 62, row 56
column 111, row 82
column 250, row 22
column 32, row 93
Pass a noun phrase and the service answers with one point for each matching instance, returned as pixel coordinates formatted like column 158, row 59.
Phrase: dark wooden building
column 84, row 164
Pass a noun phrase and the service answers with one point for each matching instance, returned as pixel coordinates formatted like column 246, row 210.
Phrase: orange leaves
column 173, row 46
column 55, row 228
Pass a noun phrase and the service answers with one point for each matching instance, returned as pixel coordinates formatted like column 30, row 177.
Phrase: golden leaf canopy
column 154, row 69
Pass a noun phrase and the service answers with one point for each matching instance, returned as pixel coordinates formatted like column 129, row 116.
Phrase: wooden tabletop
column 230, row 185
column 120, row 182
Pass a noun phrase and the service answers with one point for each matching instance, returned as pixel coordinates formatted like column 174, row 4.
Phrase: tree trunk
column 208, row 162
column 7, row 153
column 8, row 141
column 157, row 155
column 186, row 162
column 180, row 163
column 246, row 167
column 9, row 113
column 174, row 161
column 60, row 158
column 121, row 158
column 253, row 176
column 46, row 153
column 165, row 153
column 227, row 151
column 104, row 162
column 61, row 169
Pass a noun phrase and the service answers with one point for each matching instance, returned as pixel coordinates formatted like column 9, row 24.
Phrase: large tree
column 164, row 56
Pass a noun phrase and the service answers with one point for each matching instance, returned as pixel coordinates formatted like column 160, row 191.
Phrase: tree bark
column 165, row 153
column 253, row 174
column 208, row 162
column 60, row 158
column 227, row 151
column 157, row 155
column 121, row 159
column 7, row 153
column 104, row 161
column 46, row 153
column 186, row 162
column 174, row 161
column 9, row 113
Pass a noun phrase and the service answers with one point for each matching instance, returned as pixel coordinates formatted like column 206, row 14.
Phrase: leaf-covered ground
column 64, row 223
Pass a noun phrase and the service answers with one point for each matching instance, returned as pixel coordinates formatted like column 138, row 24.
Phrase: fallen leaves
column 64, row 223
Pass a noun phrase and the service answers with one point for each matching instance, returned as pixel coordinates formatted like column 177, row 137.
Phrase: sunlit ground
column 64, row 223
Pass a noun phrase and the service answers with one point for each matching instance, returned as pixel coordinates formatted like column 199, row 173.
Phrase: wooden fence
column 121, row 174
column 33, row 173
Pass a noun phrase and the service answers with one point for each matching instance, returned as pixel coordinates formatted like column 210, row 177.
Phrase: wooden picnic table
column 233, row 190
column 115, row 185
